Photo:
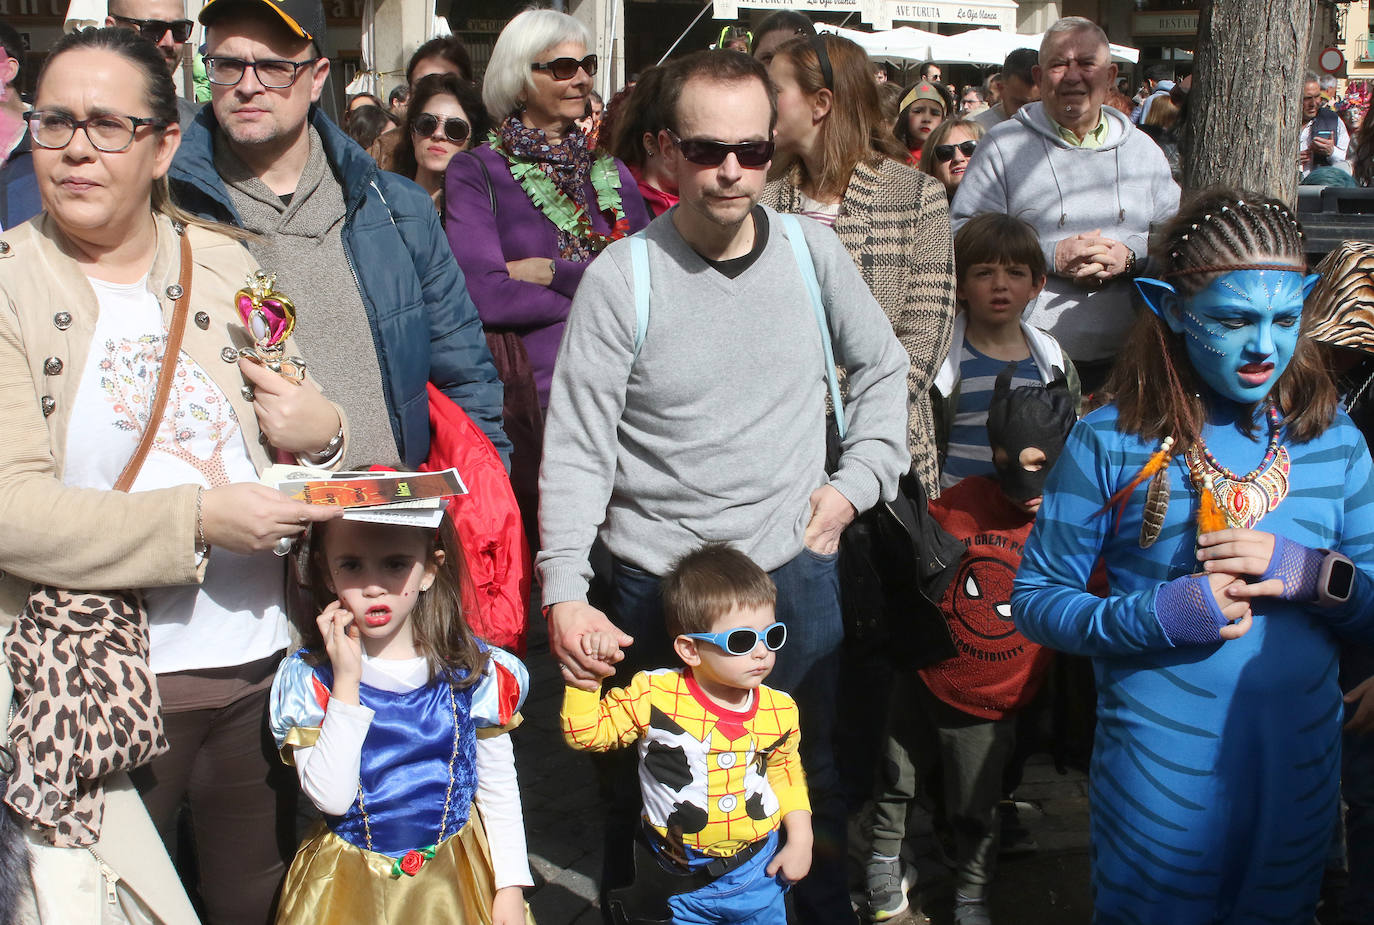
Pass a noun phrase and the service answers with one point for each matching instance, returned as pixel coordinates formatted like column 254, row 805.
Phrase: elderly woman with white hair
column 559, row 204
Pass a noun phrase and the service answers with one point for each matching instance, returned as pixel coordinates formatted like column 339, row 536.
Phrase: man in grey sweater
column 1088, row 181
column 715, row 430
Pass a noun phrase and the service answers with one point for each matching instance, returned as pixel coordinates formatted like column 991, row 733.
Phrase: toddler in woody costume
column 718, row 765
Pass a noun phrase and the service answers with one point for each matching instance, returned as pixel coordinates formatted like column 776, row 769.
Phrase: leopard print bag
column 88, row 706
column 88, row 702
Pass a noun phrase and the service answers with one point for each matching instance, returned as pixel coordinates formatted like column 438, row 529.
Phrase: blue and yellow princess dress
column 412, row 848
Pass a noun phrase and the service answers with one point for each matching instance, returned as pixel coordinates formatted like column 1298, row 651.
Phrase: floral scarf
column 568, row 165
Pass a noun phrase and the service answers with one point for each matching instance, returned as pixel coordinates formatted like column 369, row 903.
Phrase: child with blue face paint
column 1216, row 762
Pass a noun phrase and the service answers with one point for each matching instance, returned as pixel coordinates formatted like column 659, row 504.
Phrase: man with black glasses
column 382, row 307
column 164, row 23
column 697, row 411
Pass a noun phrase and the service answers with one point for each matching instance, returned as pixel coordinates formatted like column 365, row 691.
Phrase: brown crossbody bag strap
column 175, row 333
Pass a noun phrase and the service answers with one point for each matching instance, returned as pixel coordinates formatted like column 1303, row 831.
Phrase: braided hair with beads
column 1154, row 386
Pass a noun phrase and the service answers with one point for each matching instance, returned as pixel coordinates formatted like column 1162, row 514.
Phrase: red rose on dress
column 412, row 862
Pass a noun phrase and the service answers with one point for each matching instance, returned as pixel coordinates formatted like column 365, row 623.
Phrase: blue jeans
column 743, row 896
column 1357, row 788
column 807, row 667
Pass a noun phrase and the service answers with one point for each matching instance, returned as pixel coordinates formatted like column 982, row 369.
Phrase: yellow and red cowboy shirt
column 721, row 778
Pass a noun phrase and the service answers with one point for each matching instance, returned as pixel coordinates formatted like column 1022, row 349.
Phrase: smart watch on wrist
column 1336, row 579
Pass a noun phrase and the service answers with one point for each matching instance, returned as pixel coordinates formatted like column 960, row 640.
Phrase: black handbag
column 895, row 563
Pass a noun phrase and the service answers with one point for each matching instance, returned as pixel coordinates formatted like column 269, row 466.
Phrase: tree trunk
column 1245, row 109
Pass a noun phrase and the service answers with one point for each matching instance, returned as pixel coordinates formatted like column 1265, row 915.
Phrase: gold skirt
column 332, row 882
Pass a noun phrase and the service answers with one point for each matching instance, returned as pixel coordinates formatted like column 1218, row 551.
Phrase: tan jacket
column 90, row 539
column 84, row 538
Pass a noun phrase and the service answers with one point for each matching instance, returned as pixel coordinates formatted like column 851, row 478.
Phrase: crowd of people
column 736, row 335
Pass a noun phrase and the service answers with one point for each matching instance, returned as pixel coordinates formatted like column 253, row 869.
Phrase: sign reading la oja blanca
column 990, row 14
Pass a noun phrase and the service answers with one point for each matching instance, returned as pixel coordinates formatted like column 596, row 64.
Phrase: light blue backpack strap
column 792, row 228
column 639, row 266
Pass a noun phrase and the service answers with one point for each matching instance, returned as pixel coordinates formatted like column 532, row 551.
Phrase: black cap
column 304, row 18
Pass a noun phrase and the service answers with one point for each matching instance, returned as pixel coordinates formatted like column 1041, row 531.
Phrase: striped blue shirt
column 968, row 452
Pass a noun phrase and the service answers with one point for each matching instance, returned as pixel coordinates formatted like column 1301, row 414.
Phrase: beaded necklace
column 1243, row 499
column 411, row 862
column 565, row 214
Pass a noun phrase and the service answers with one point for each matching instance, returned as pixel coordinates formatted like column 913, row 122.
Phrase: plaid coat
column 894, row 221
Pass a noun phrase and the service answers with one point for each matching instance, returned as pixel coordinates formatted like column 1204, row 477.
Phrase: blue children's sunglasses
column 743, row 640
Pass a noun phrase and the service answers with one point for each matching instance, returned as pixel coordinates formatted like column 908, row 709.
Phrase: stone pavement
column 563, row 825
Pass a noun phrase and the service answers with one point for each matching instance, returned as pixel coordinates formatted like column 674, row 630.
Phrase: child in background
column 719, row 770
column 999, row 269
column 380, row 713
column 961, row 712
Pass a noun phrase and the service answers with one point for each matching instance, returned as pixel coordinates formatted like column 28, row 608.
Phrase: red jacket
column 497, row 597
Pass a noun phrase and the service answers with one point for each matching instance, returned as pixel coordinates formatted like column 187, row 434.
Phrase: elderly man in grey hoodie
column 1088, row 181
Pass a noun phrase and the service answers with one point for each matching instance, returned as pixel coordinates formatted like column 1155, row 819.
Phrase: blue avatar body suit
column 1215, row 768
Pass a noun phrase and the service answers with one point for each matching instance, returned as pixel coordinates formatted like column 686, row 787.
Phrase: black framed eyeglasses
column 946, row 152
column 154, row 29
column 107, row 132
column 751, row 154
column 566, row 68
column 455, row 129
column 742, row 641
column 272, row 73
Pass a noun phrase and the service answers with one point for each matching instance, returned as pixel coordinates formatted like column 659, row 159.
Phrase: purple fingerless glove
column 1297, row 566
column 1188, row 611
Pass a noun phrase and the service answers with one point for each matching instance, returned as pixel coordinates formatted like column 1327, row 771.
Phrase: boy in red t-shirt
column 961, row 712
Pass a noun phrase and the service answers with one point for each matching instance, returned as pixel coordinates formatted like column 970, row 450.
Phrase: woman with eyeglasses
column 528, row 210
column 446, row 117
column 948, row 150
column 849, row 174
column 94, row 290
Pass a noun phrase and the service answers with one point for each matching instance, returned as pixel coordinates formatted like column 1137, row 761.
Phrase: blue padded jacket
column 424, row 325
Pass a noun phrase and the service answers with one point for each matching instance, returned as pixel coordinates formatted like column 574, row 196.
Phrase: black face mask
column 1023, row 417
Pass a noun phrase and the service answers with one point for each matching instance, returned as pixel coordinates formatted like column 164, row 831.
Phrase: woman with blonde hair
column 849, row 174
column 949, row 149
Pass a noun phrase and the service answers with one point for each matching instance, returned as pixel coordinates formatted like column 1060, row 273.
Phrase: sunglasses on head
column 742, row 641
column 455, row 129
column 154, row 29
column 946, row 152
column 714, row 153
column 566, row 68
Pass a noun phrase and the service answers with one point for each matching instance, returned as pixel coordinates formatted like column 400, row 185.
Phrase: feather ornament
column 1156, row 508
column 1157, row 461
column 1210, row 517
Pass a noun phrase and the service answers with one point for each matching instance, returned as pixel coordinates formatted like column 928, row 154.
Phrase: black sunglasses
column 154, row 29
column 566, row 68
column 946, row 152
column 455, row 129
column 714, row 153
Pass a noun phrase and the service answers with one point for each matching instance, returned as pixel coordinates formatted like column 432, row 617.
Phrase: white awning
column 84, row 14
column 901, row 44
column 991, row 46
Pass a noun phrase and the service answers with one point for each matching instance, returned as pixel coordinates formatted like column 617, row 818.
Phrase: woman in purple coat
column 528, row 210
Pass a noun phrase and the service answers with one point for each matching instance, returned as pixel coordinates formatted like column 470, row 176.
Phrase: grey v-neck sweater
column 302, row 243
column 716, row 431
